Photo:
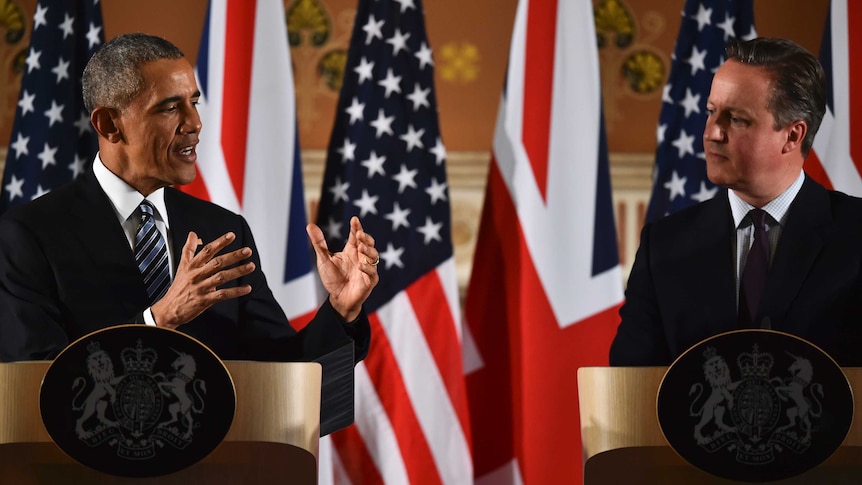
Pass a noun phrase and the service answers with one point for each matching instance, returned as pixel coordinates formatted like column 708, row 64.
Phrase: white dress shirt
column 125, row 201
column 776, row 217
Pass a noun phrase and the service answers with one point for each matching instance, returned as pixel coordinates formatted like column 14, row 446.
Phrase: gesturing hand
column 348, row 276
column 195, row 286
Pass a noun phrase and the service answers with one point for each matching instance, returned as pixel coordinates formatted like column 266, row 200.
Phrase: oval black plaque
column 755, row 405
column 137, row 401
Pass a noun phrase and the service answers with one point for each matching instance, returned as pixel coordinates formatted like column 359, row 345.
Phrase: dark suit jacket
column 66, row 269
column 682, row 287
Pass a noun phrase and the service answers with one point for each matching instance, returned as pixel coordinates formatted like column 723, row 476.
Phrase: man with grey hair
column 121, row 245
column 775, row 249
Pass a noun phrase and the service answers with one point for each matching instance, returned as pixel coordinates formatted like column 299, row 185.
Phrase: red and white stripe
column 836, row 160
column 246, row 153
column 534, row 310
column 411, row 410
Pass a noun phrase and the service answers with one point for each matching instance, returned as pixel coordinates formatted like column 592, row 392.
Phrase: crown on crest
column 93, row 347
column 139, row 359
column 709, row 353
column 755, row 364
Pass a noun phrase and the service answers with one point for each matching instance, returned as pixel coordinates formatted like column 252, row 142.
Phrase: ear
column 107, row 124
column 795, row 134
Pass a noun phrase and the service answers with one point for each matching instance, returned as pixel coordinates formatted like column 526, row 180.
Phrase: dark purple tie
column 754, row 274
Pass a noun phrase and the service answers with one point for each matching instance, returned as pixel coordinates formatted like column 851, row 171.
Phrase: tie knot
column 757, row 217
column 147, row 209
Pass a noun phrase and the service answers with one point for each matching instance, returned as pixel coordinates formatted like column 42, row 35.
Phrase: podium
column 623, row 443
column 273, row 437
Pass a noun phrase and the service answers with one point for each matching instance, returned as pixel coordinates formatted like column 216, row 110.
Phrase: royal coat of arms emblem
column 755, row 405
column 166, row 405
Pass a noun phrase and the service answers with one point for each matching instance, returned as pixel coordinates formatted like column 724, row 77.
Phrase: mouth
column 715, row 155
column 188, row 152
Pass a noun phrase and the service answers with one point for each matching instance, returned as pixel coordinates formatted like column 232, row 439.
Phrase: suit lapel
column 712, row 235
column 180, row 223
column 797, row 250
column 101, row 238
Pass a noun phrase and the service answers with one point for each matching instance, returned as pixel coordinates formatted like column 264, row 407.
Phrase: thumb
column 189, row 248
column 318, row 242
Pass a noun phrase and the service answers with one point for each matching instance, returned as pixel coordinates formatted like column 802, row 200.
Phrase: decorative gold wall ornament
column 331, row 68
column 614, row 18
column 459, row 62
column 308, row 16
column 12, row 18
column 644, row 71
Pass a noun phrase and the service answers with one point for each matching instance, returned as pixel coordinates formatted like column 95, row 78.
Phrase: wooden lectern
column 273, row 438
column 622, row 441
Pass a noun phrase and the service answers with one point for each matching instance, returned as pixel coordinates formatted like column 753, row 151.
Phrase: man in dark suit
column 694, row 273
column 68, row 259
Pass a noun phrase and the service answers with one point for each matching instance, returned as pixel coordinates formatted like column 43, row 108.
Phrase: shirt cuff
column 148, row 317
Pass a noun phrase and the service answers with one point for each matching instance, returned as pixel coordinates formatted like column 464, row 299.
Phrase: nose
column 712, row 131
column 191, row 122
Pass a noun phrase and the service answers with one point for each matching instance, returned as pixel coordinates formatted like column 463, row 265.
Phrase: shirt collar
column 124, row 198
column 776, row 208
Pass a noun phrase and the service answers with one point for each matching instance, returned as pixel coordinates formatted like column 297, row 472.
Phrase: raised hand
column 350, row 275
column 196, row 284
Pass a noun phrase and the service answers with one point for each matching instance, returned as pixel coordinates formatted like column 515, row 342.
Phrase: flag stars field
column 699, row 51
column 52, row 144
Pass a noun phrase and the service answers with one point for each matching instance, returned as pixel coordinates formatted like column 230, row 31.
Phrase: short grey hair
column 798, row 81
column 112, row 77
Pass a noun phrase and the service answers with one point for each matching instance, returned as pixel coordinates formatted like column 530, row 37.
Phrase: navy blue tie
column 756, row 268
column 151, row 254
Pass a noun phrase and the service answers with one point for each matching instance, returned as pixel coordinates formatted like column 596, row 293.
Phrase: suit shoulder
column 196, row 205
column 691, row 217
column 50, row 205
column 845, row 206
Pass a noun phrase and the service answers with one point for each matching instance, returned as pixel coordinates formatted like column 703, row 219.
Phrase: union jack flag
column 836, row 158
column 545, row 293
column 52, row 140
column 248, row 156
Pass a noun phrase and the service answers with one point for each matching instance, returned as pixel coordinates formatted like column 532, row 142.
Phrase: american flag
column 546, row 285
column 680, row 168
column 52, row 140
column 836, row 158
column 386, row 164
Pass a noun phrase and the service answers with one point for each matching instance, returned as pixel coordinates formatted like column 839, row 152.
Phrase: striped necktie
column 151, row 254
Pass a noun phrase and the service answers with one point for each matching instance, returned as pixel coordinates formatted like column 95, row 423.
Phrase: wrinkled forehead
column 168, row 78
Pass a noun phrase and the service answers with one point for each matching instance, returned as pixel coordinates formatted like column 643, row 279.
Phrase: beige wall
column 470, row 40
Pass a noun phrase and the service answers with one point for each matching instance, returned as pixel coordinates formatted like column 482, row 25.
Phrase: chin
column 186, row 178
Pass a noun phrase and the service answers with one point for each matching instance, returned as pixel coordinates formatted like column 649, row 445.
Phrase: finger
column 226, row 276
column 367, row 239
column 189, row 248
column 318, row 242
column 355, row 231
column 370, row 256
column 227, row 293
column 210, row 250
column 227, row 260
